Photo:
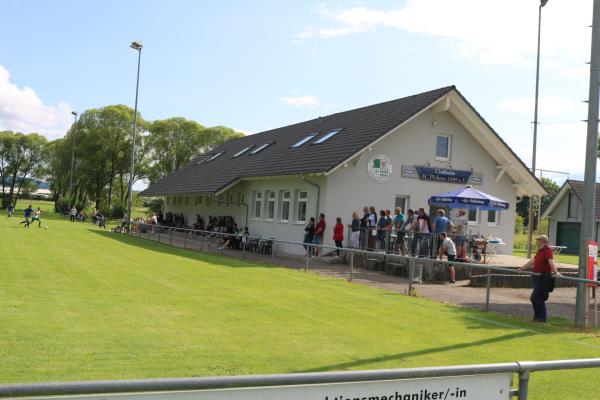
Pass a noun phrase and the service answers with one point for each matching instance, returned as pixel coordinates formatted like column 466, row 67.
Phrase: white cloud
column 494, row 32
column 549, row 106
column 22, row 110
column 300, row 101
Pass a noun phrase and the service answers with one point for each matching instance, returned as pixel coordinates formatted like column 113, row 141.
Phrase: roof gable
column 576, row 187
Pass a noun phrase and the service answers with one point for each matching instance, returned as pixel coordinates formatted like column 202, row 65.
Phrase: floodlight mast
column 136, row 46
column 535, row 126
column 74, row 113
column 589, row 186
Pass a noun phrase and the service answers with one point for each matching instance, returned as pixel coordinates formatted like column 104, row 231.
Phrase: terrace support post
column 523, row 384
column 487, row 289
column 351, row 266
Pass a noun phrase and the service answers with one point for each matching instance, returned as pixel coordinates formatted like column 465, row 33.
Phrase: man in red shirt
column 543, row 265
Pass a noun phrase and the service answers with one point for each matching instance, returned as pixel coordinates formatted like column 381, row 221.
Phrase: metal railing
column 268, row 246
column 141, row 386
column 417, row 244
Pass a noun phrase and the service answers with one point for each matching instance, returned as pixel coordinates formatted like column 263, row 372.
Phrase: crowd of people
column 414, row 233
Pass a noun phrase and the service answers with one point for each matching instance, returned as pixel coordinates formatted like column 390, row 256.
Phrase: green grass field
column 561, row 258
column 77, row 303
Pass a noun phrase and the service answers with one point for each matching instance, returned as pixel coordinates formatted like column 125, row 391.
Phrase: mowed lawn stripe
column 79, row 303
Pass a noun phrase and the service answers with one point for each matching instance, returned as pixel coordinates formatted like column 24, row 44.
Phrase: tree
column 22, row 156
column 172, row 143
column 523, row 206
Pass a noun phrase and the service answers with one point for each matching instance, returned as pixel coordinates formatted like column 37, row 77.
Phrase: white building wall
column 290, row 230
column 350, row 188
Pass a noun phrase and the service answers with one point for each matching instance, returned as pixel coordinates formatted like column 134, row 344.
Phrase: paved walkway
column 502, row 300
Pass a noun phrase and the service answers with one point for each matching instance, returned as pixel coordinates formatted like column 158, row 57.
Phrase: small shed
column 565, row 212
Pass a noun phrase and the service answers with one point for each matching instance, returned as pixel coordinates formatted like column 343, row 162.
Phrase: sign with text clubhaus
column 471, row 387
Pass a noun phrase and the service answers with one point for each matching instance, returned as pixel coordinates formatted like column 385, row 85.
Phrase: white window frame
column 285, row 200
column 271, row 201
column 299, row 200
column 449, row 153
column 496, row 220
column 477, row 216
column 257, row 204
column 220, row 200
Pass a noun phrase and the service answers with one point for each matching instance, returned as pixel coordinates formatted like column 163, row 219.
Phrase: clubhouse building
column 396, row 153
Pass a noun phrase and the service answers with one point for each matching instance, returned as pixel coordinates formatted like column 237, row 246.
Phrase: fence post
column 411, row 273
column 244, row 247
column 308, row 249
column 523, row 384
column 139, row 232
column 159, row 230
column 273, row 243
column 351, row 266
column 487, row 290
column 171, row 243
column 185, row 235
column 147, row 231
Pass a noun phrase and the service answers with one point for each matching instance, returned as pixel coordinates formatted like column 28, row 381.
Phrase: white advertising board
column 472, row 387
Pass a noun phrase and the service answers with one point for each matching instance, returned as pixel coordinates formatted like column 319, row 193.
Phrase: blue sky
column 263, row 64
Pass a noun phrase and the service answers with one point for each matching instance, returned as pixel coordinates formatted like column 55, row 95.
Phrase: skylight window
column 327, row 136
column 215, row 156
column 304, row 140
column 201, row 160
column 239, row 153
column 261, row 147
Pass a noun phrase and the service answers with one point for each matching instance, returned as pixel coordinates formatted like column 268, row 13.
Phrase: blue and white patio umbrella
column 468, row 197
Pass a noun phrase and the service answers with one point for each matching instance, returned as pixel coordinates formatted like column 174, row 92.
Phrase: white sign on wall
column 470, row 387
column 379, row 168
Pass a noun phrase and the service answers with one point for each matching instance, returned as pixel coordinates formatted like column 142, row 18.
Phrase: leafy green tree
column 22, row 157
column 523, row 206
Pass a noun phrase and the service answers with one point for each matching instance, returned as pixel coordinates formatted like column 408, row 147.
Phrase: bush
column 117, row 210
column 542, row 228
column 155, row 205
column 519, row 224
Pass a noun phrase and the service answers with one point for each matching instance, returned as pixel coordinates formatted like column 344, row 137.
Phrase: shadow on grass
column 163, row 248
column 417, row 353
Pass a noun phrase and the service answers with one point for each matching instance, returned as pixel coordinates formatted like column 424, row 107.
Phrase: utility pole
column 589, row 190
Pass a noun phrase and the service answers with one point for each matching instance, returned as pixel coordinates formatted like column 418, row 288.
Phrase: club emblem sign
column 379, row 168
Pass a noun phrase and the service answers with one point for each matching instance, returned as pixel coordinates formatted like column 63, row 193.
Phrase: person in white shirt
column 448, row 247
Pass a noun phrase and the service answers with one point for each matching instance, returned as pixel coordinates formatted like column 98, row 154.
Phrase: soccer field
column 77, row 303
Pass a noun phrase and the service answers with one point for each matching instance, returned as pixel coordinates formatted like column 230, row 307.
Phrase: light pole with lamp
column 136, row 46
column 535, row 125
column 72, row 159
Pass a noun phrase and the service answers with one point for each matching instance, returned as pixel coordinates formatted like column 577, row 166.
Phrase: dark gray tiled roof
column 578, row 186
column 360, row 127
